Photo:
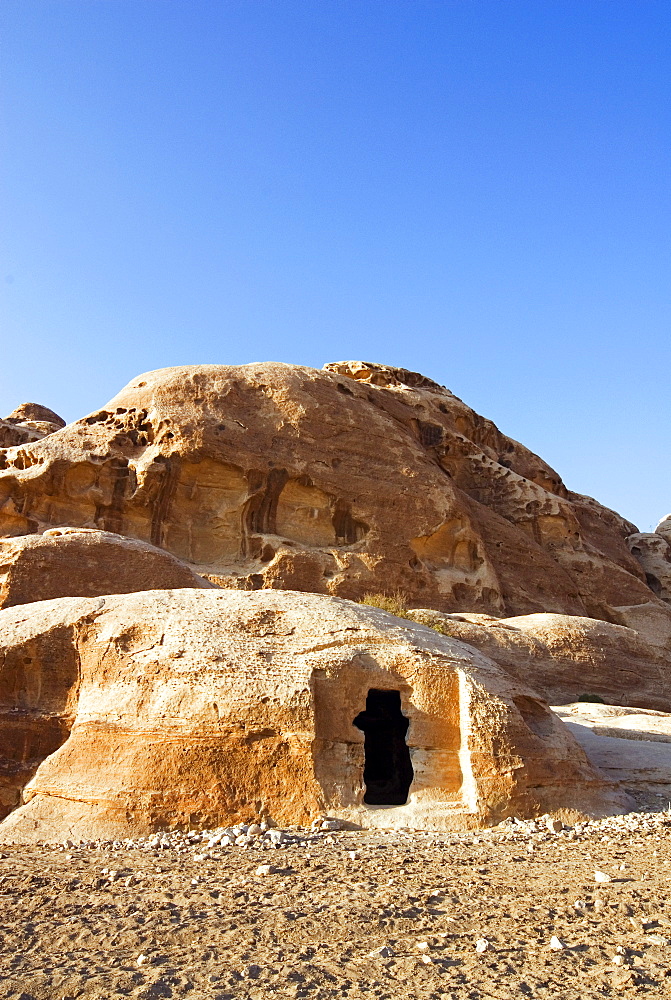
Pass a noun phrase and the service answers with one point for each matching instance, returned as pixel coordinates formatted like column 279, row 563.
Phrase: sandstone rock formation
column 628, row 746
column 352, row 479
column 664, row 528
column 199, row 707
column 653, row 551
column 28, row 422
column 167, row 706
column 81, row 562
column 565, row 657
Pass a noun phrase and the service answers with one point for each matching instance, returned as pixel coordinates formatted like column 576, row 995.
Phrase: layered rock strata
column 352, row 479
column 204, row 707
column 568, row 657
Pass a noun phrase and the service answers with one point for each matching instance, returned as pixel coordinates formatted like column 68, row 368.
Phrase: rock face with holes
column 28, row 422
column 81, row 562
column 200, row 707
column 566, row 657
column 356, row 478
column 653, row 551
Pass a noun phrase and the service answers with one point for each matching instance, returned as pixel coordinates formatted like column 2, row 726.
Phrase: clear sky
column 478, row 190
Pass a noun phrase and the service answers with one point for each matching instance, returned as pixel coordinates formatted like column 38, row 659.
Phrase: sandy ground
column 217, row 928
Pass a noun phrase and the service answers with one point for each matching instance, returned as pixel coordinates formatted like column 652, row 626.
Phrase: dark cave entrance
column 387, row 771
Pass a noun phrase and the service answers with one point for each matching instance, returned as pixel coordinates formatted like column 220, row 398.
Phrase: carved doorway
column 388, row 770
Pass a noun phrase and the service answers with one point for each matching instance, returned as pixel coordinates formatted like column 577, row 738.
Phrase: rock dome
column 200, row 707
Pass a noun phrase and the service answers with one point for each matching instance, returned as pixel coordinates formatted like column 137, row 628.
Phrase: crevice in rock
column 259, row 514
column 347, row 529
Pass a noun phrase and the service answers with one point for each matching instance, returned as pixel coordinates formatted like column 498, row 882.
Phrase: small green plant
column 395, row 604
column 595, row 699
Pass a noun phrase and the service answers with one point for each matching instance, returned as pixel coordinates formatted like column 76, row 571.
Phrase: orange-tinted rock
column 202, row 707
column 80, row 562
column 38, row 691
column 353, row 479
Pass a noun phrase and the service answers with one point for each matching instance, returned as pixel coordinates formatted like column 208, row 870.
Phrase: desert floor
column 213, row 926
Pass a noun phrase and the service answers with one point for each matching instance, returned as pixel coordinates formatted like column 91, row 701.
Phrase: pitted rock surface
column 28, row 422
column 352, row 479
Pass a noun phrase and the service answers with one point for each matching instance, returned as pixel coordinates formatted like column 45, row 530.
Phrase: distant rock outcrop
column 653, row 551
column 356, row 478
column 28, row 422
column 201, row 707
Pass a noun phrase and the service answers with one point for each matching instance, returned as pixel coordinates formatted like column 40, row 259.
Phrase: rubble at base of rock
column 209, row 843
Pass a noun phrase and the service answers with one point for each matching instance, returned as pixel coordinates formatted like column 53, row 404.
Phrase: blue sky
column 476, row 190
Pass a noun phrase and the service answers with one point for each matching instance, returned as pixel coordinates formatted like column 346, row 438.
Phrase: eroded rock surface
column 653, row 551
column 28, row 422
column 565, row 657
column 356, row 478
column 200, row 707
column 81, row 562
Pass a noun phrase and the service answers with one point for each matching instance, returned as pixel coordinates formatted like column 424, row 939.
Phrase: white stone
column 331, row 824
column 481, row 945
column 264, row 870
column 601, row 877
column 556, row 944
column 657, row 939
column 383, row 952
column 141, row 960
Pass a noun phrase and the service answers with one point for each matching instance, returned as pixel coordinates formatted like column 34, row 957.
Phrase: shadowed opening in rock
column 387, row 770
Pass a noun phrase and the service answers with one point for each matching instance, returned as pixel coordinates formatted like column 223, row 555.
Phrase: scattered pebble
column 658, row 939
column 305, row 930
column 383, row 952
